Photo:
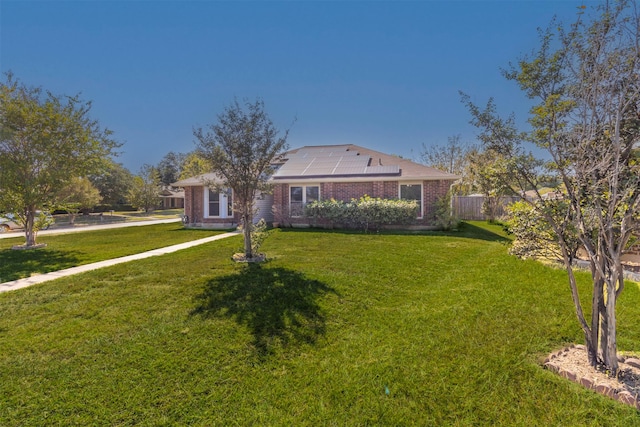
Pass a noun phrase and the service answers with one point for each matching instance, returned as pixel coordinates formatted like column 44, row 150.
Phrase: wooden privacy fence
column 470, row 207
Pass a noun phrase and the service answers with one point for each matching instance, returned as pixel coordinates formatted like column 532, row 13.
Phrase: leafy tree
column 170, row 167
column 145, row 190
column 533, row 235
column 241, row 148
column 113, row 182
column 78, row 194
column 585, row 81
column 194, row 165
column 45, row 141
column 486, row 173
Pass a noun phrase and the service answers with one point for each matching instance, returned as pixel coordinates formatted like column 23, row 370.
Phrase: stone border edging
column 622, row 396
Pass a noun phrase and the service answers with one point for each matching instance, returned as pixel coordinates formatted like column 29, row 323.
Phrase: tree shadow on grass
column 491, row 233
column 18, row 264
column 280, row 306
column 466, row 230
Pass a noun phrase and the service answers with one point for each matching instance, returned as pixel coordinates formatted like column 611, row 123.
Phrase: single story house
column 171, row 198
column 341, row 172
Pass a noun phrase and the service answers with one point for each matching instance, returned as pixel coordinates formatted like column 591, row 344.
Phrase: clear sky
column 384, row 75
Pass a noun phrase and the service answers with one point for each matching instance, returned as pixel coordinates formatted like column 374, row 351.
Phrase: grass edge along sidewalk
column 41, row 278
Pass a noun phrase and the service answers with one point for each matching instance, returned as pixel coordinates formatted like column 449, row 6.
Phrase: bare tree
column 449, row 157
column 241, row 148
column 586, row 79
column 453, row 157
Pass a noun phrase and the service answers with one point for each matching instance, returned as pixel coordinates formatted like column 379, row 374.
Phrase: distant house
column 171, row 198
column 341, row 172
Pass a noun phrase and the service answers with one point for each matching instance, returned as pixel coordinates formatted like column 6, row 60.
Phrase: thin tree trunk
column 592, row 352
column 610, row 352
column 30, row 234
column 246, row 224
column 597, row 315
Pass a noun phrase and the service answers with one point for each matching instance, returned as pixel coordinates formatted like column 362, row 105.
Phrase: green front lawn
column 62, row 220
column 337, row 329
column 70, row 250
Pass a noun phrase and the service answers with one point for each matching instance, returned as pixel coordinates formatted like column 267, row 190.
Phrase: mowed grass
column 69, row 250
column 336, row 329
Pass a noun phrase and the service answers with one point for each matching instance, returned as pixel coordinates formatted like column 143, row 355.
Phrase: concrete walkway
column 40, row 278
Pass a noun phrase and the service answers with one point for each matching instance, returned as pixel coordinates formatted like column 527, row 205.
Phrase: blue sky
column 384, row 75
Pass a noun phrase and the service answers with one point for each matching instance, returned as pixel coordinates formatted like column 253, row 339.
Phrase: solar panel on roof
column 327, row 161
column 393, row 169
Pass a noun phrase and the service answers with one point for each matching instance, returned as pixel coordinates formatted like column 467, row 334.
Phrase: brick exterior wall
column 194, row 209
column 431, row 192
column 345, row 191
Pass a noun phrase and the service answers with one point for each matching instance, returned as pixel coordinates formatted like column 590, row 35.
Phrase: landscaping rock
column 586, row 382
column 604, row 390
column 626, row 398
column 572, row 363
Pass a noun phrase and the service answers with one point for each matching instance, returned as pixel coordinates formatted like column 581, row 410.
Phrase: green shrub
column 534, row 236
column 365, row 213
column 259, row 232
column 443, row 217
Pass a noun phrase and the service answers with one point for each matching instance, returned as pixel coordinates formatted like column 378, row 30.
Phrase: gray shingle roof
column 352, row 161
column 336, row 162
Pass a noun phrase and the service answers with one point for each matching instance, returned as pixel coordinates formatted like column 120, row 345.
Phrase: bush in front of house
column 443, row 217
column 364, row 213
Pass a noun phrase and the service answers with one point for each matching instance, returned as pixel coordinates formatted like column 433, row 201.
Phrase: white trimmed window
column 218, row 205
column 300, row 196
column 412, row 191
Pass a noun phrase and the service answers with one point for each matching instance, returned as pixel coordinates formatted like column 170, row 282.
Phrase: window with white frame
column 218, row 204
column 300, row 196
column 412, row 192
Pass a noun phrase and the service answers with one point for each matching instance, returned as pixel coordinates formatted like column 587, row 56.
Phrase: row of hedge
column 366, row 213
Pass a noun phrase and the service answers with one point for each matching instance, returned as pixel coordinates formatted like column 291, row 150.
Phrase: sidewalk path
column 40, row 278
column 78, row 229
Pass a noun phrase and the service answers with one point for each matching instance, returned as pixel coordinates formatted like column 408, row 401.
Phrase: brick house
column 171, row 198
column 341, row 172
column 205, row 205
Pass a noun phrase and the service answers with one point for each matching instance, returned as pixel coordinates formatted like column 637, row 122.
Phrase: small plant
column 259, row 233
column 42, row 221
column 443, row 217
